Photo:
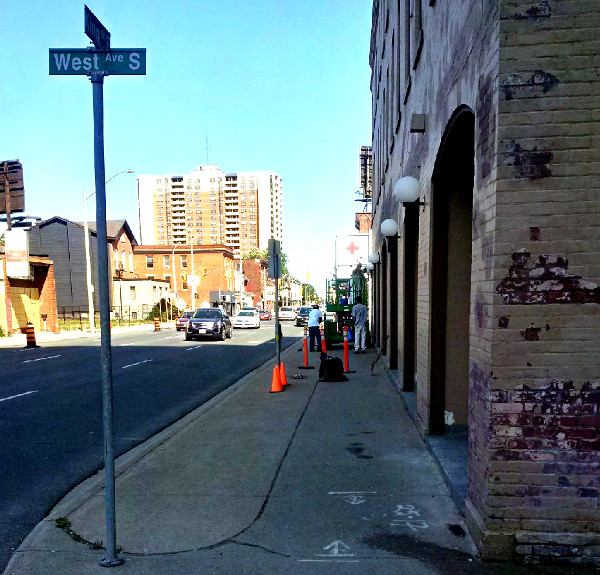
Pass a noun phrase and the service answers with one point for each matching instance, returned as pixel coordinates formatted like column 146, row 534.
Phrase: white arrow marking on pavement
column 41, row 358
column 20, row 395
column 136, row 363
column 335, row 549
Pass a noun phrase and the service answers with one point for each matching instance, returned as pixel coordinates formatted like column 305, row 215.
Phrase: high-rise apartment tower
column 240, row 210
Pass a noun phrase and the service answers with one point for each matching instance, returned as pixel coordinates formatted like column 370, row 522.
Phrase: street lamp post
column 88, row 265
column 193, row 277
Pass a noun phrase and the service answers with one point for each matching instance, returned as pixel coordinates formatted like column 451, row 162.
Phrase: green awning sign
column 123, row 61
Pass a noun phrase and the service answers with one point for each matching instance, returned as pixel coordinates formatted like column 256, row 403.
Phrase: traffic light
column 184, row 276
column 202, row 270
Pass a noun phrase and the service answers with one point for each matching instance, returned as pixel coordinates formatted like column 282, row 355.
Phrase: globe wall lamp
column 389, row 227
column 408, row 190
column 370, row 267
column 374, row 258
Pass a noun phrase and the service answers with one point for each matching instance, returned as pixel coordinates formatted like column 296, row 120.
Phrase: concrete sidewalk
column 322, row 478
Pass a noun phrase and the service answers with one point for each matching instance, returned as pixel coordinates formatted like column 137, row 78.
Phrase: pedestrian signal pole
column 275, row 273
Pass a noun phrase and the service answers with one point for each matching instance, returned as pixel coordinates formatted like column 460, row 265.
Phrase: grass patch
column 64, row 524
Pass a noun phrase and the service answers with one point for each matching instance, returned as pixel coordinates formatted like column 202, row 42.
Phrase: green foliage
column 165, row 310
column 309, row 293
column 255, row 254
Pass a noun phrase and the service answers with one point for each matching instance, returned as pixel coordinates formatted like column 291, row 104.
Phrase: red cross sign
column 352, row 248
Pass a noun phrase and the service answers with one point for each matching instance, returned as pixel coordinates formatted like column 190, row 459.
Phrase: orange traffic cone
column 276, row 381
column 282, row 375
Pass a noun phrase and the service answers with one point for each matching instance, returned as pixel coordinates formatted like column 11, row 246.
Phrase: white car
column 286, row 312
column 246, row 318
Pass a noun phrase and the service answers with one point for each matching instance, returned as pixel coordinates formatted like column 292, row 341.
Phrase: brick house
column 255, row 281
column 28, row 299
column 487, row 295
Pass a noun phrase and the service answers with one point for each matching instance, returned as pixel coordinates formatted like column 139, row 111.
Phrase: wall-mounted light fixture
column 408, row 190
column 374, row 257
column 370, row 267
column 389, row 227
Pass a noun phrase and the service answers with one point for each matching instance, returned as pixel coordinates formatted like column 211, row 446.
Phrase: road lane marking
column 41, row 358
column 19, row 395
column 137, row 363
column 124, row 344
column 195, row 347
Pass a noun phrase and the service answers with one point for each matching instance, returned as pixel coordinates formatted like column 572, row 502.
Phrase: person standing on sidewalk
column 314, row 333
column 359, row 317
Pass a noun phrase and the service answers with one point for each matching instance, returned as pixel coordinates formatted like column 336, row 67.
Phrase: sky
column 278, row 85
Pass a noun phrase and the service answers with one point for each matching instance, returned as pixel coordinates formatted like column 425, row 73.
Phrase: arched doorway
column 411, row 247
column 392, row 280
column 452, row 204
column 383, row 312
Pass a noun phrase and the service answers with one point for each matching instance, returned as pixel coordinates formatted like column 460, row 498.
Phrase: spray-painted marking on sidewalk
column 409, row 516
column 137, row 363
column 41, row 358
column 353, row 497
column 19, row 395
column 337, row 551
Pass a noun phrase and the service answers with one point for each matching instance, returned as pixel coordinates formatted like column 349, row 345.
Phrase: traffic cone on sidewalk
column 282, row 376
column 276, row 381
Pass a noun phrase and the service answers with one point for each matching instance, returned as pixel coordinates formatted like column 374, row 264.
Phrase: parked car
column 182, row 320
column 264, row 314
column 286, row 312
column 208, row 322
column 250, row 308
column 246, row 318
column 302, row 316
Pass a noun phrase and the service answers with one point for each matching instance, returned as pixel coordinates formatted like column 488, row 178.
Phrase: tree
column 255, row 254
column 309, row 293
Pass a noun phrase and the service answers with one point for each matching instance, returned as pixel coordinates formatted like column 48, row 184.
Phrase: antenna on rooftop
column 207, row 148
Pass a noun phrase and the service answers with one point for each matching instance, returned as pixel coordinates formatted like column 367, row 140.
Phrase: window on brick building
column 149, row 262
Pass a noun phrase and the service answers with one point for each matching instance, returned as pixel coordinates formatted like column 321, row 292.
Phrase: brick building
column 255, row 281
column 213, row 268
column 487, row 296
column 31, row 299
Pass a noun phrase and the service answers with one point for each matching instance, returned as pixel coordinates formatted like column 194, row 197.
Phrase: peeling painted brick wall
column 544, row 379
column 528, row 70
column 545, row 470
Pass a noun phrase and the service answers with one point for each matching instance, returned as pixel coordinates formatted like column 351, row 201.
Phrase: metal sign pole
column 277, row 327
column 110, row 559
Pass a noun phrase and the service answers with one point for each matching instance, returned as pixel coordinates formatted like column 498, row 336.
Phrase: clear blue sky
column 275, row 85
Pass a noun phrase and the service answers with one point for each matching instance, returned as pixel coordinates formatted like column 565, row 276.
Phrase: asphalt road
column 51, row 407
